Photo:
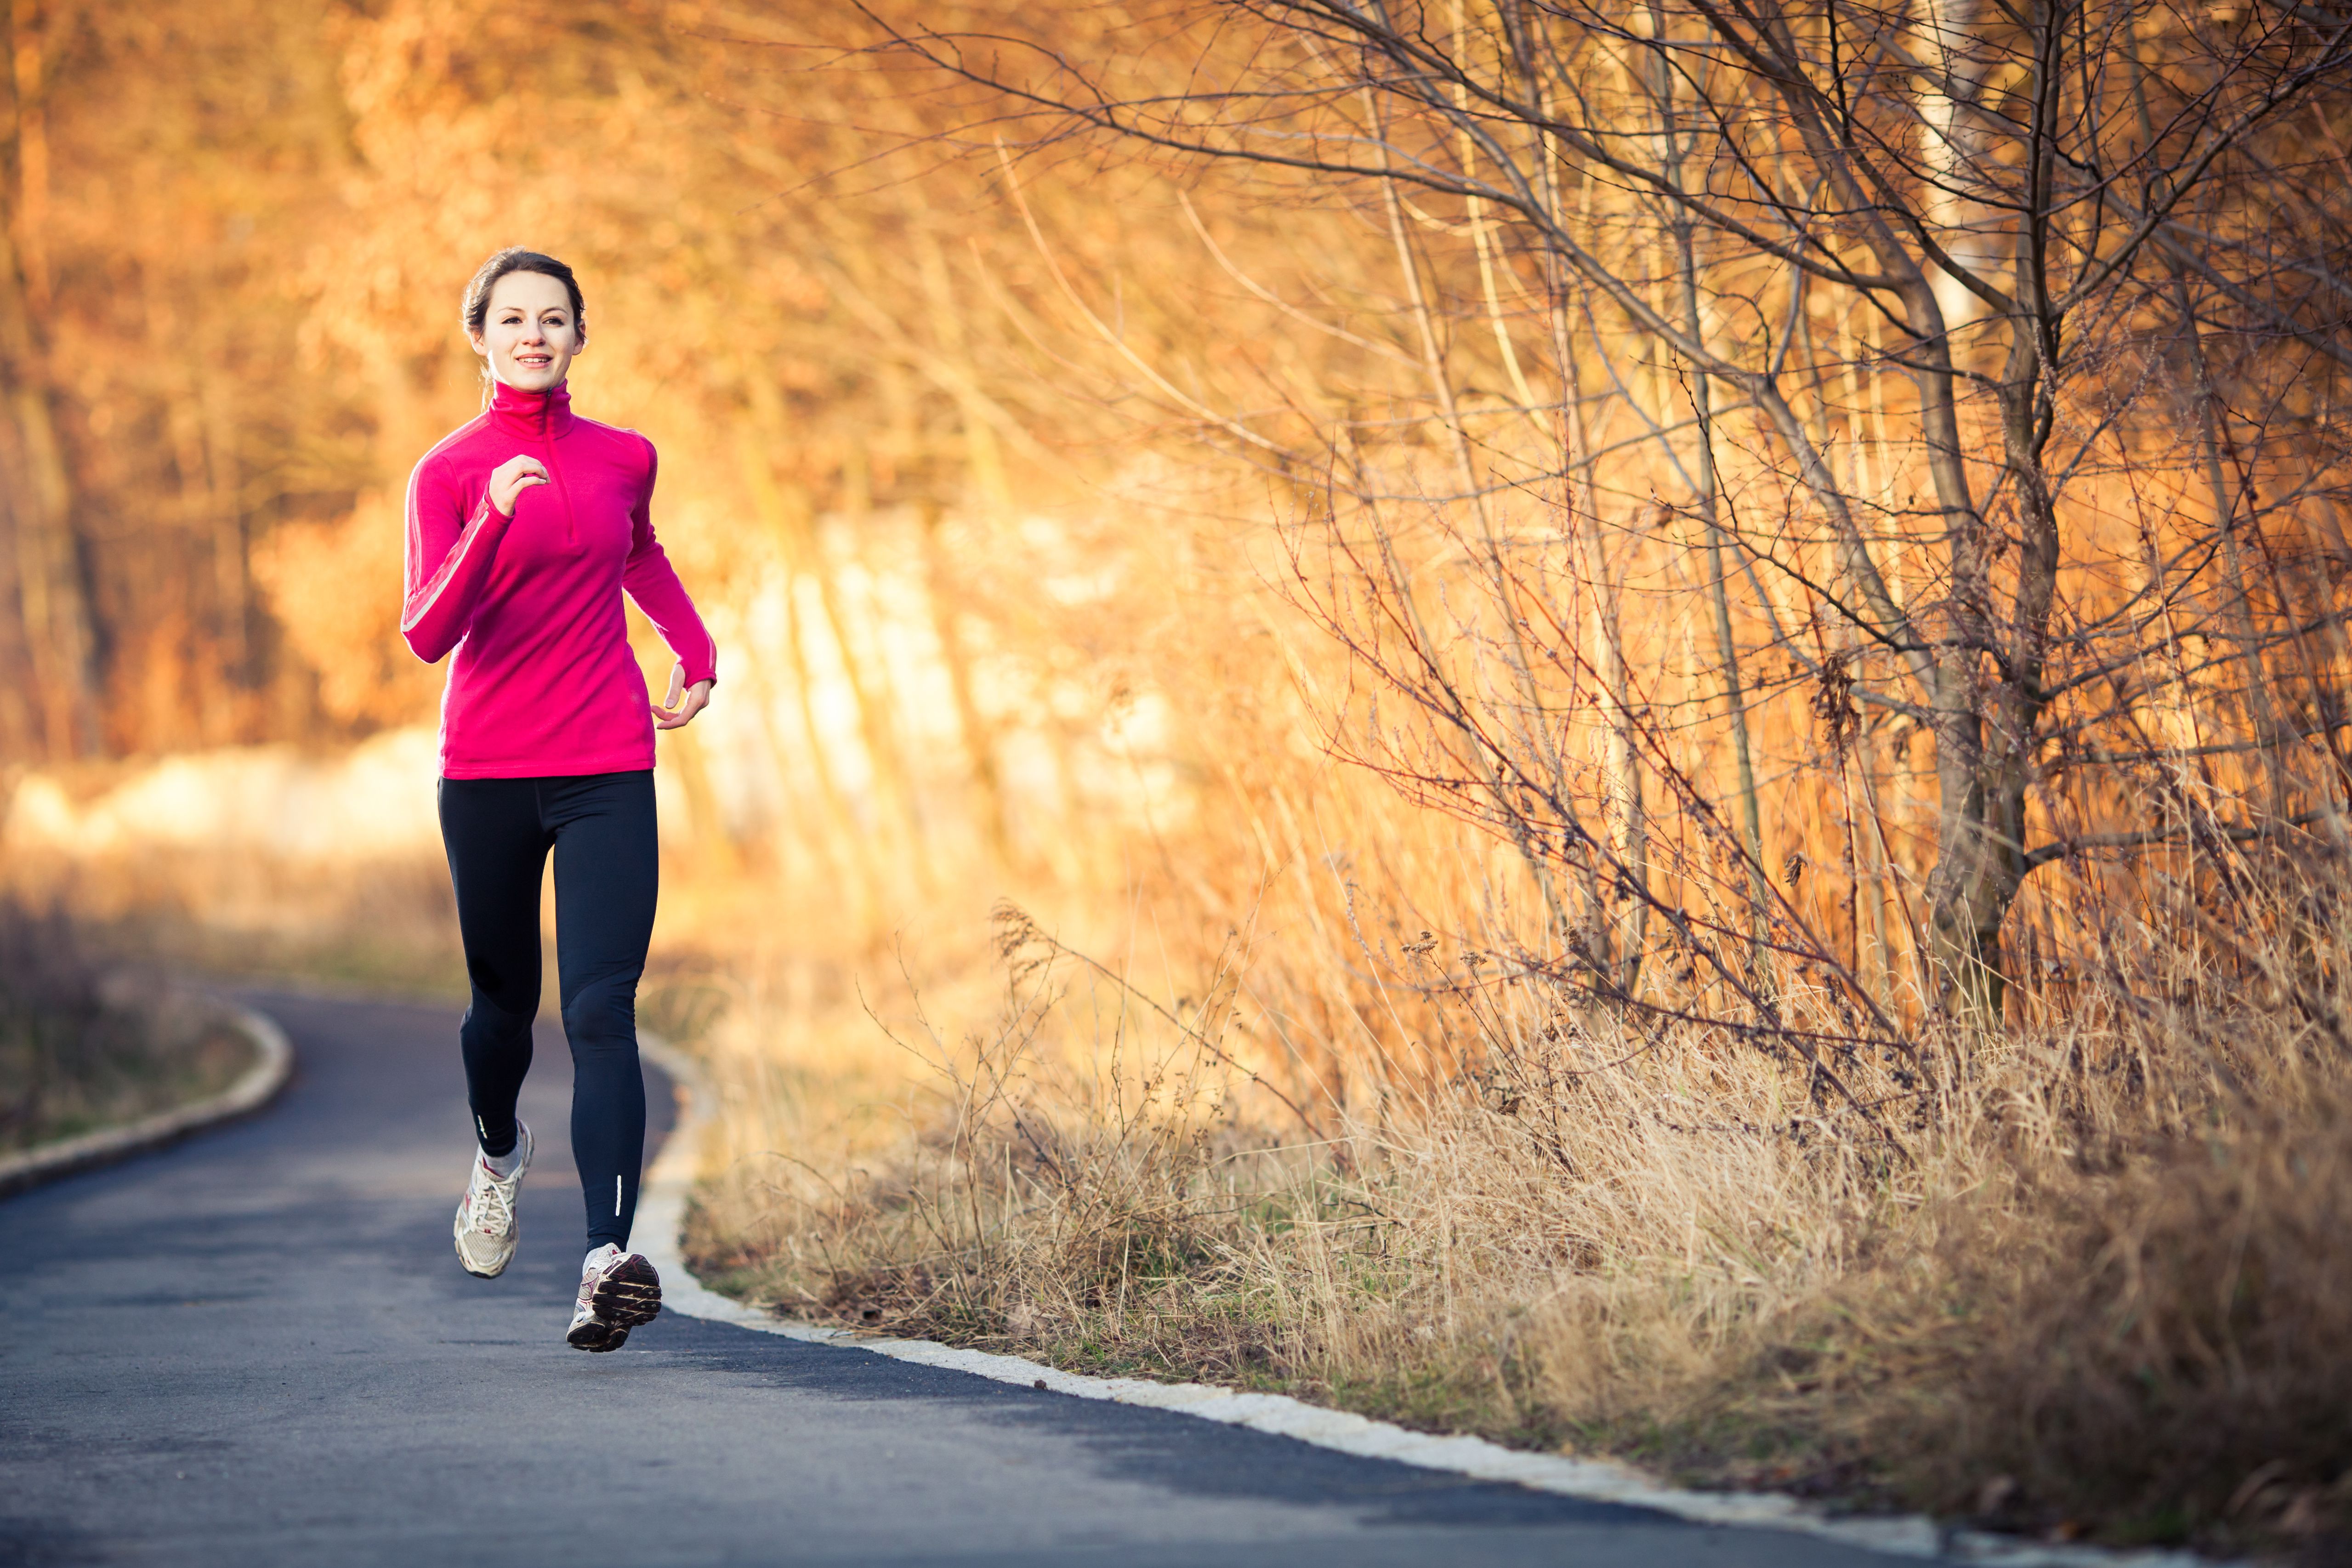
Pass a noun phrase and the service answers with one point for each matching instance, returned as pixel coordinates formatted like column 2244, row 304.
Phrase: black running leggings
column 600, row 826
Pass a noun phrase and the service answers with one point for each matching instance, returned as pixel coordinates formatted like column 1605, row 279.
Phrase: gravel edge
column 273, row 1066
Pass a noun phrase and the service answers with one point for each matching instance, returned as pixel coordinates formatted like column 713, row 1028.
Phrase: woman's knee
column 602, row 1014
column 491, row 1020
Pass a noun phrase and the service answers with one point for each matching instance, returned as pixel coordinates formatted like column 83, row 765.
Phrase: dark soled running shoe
column 618, row 1292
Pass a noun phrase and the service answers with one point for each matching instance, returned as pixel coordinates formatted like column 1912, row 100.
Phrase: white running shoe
column 486, row 1226
column 618, row 1292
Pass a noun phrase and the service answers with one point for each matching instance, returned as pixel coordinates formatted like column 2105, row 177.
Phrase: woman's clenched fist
column 507, row 479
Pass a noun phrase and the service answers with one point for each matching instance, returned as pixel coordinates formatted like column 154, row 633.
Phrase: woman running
column 525, row 526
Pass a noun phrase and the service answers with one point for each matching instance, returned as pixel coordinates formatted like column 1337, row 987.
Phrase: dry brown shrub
column 82, row 1048
column 2103, row 1293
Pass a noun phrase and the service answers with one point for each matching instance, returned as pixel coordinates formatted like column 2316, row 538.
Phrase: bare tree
column 2017, row 233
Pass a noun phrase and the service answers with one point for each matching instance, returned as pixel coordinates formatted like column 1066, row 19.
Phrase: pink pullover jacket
column 544, row 682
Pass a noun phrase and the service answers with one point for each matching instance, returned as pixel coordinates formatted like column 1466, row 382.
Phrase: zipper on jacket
column 547, row 444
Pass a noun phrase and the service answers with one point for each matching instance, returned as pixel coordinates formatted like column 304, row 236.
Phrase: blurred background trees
column 1894, row 444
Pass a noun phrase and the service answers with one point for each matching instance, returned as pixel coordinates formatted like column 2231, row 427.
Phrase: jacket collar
column 534, row 416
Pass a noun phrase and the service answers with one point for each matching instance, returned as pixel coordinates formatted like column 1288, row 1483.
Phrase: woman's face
column 528, row 335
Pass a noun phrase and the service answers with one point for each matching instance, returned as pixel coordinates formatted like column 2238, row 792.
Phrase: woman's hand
column 670, row 715
column 508, row 479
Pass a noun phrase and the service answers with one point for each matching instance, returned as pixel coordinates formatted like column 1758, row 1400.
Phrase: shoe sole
column 628, row 1297
column 596, row 1338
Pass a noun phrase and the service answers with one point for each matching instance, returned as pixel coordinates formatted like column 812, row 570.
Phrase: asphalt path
column 257, row 1348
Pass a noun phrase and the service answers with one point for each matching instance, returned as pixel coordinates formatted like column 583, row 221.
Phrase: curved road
column 256, row 1348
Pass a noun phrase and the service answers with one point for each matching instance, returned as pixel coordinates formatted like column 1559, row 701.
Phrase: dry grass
column 2103, row 1293
column 79, row 1050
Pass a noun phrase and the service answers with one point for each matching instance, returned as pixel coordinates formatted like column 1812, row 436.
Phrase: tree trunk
column 1989, row 768
column 51, row 597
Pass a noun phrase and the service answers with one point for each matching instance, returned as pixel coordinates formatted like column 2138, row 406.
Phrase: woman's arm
column 449, row 559
column 653, row 584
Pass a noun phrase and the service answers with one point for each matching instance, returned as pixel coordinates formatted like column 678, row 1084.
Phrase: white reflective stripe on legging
column 616, row 1196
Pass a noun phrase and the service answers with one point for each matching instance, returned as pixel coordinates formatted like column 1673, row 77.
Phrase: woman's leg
column 497, row 855
column 607, row 866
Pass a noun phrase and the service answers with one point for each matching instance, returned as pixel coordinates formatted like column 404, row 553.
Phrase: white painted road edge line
column 661, row 1219
column 273, row 1065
